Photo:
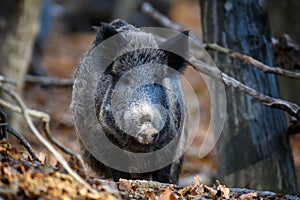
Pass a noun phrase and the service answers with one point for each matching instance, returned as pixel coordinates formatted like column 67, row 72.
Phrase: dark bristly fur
column 167, row 95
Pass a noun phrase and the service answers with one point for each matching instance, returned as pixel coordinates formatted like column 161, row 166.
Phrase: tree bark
column 18, row 28
column 284, row 18
column 254, row 149
column 19, row 23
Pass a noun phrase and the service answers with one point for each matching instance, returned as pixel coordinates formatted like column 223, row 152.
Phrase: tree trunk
column 284, row 18
column 19, row 23
column 18, row 28
column 254, row 149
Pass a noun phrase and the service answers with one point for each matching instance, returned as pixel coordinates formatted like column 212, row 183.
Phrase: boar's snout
column 147, row 134
column 146, row 113
column 146, row 122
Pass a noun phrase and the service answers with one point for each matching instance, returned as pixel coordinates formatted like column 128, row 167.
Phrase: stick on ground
column 34, row 130
column 46, row 122
column 24, row 142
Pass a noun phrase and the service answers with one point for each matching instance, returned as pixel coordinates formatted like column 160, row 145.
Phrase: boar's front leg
column 169, row 174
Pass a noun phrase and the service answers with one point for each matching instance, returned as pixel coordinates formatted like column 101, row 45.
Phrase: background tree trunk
column 18, row 28
column 19, row 23
column 254, row 149
column 284, row 18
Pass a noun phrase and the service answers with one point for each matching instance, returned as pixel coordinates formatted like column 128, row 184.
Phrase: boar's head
column 139, row 100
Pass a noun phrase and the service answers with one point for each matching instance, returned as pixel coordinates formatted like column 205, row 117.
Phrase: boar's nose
column 147, row 134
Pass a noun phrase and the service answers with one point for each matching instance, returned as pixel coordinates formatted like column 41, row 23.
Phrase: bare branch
column 148, row 9
column 33, row 113
column 46, row 124
column 214, row 72
column 34, row 130
column 5, row 128
column 3, row 124
column 166, row 22
column 49, row 81
column 24, row 142
column 5, row 80
column 248, row 59
column 292, row 108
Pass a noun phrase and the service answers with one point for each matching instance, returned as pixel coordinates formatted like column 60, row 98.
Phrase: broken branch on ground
column 34, row 130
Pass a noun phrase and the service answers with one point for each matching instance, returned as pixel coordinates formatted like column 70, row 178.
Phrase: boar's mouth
column 147, row 135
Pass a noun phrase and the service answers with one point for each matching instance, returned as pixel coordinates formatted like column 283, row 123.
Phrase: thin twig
column 46, row 124
column 148, row 9
column 34, row 130
column 6, row 80
column 24, row 142
column 248, row 59
column 3, row 124
column 49, row 81
column 214, row 72
column 292, row 108
column 33, row 113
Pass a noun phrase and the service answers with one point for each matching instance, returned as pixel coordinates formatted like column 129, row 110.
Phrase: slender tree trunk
column 254, row 149
column 18, row 27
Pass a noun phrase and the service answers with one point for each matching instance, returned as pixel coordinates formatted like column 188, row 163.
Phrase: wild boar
column 138, row 102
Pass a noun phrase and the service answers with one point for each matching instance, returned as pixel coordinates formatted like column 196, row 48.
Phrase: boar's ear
column 104, row 31
column 177, row 48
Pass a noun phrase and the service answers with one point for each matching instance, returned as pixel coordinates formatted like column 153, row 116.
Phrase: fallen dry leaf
column 170, row 194
column 166, row 194
column 150, row 195
column 212, row 191
column 248, row 196
column 225, row 191
column 124, row 185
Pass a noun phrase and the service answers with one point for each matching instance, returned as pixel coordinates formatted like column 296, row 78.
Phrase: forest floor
column 61, row 58
column 23, row 179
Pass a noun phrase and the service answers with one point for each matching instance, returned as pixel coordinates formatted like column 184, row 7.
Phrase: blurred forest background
column 66, row 32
